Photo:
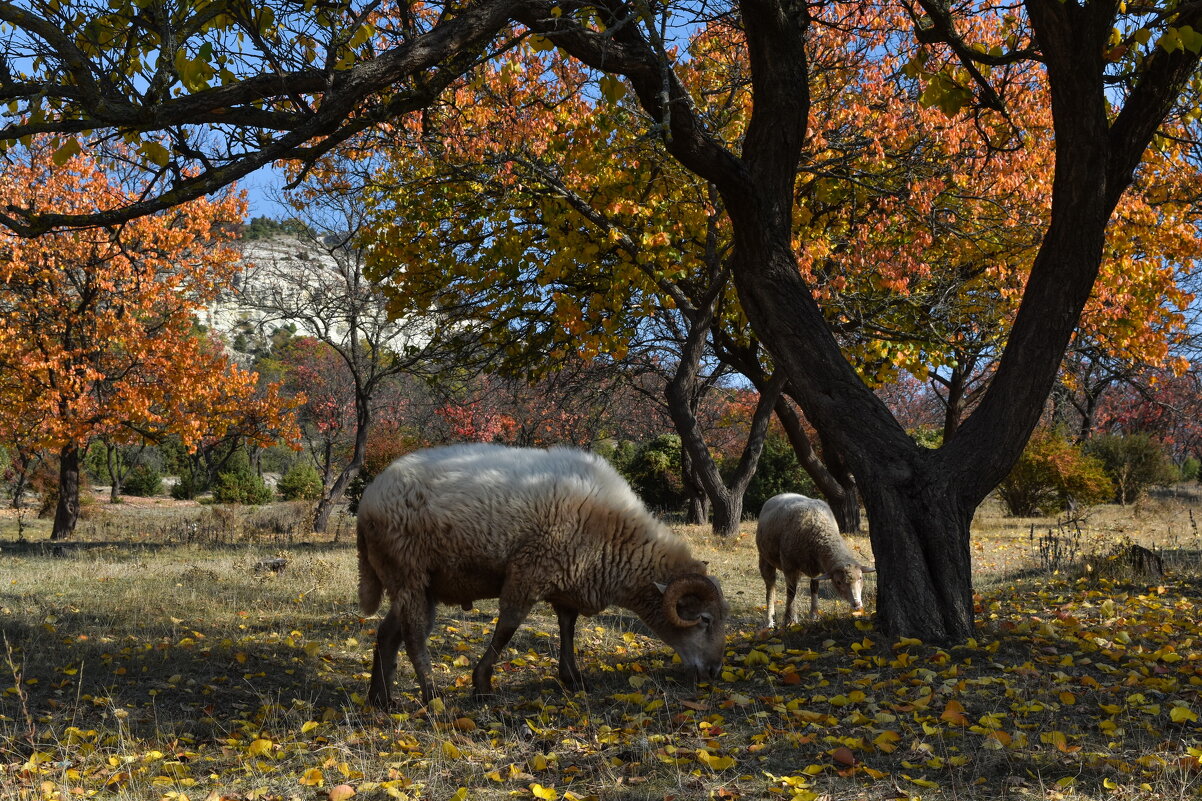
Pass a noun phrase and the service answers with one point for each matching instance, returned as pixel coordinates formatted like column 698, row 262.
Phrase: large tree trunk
column 66, row 514
column 923, row 561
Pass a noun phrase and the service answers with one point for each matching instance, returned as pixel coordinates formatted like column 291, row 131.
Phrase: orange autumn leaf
column 953, row 713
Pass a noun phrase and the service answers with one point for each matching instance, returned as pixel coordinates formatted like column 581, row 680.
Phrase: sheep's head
column 848, row 581
column 694, row 622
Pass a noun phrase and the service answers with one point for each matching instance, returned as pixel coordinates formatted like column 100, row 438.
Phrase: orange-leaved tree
column 97, row 326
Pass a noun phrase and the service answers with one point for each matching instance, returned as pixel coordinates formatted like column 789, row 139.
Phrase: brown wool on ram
column 456, row 524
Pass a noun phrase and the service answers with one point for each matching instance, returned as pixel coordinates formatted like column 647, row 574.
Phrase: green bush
column 778, row 471
column 143, row 480
column 654, row 472
column 301, row 482
column 1133, row 463
column 1191, row 468
column 241, row 487
column 1051, row 475
column 240, row 484
column 186, row 488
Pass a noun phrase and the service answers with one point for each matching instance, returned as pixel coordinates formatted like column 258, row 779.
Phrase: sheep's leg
column 791, row 596
column 511, row 616
column 569, row 673
column 383, row 660
column 769, row 574
column 417, row 645
column 813, row 599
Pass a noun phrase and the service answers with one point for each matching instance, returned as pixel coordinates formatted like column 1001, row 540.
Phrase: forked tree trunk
column 920, row 543
column 66, row 514
column 332, row 494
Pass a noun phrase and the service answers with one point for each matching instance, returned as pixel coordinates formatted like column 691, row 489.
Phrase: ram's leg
column 569, row 673
column 791, row 596
column 383, row 660
column 769, row 574
column 511, row 615
column 813, row 599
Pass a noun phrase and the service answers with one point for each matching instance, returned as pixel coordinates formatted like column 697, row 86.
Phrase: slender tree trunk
column 698, row 512
column 24, row 463
column 111, row 459
column 66, row 515
column 332, row 494
column 954, row 407
column 839, row 489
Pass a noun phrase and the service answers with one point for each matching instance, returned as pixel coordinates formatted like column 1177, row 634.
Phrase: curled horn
column 696, row 584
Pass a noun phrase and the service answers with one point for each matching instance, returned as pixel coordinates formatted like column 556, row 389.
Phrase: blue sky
column 262, row 187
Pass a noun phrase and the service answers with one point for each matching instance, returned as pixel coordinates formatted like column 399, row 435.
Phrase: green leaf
column 1191, row 40
column 155, row 153
column 1170, row 41
column 66, row 152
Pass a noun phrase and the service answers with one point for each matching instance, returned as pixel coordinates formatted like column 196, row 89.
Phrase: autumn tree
column 318, row 282
column 97, row 334
column 304, row 81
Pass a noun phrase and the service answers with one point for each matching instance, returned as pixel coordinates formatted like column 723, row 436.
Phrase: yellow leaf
column 921, row 782
column 1066, row 781
column 260, row 747
column 313, row 777
column 1182, row 714
column 1110, row 784
column 449, row 750
column 308, row 726
column 715, row 762
column 460, row 795
column 545, row 793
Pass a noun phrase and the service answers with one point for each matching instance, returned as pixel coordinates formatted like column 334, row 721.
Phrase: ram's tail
column 371, row 589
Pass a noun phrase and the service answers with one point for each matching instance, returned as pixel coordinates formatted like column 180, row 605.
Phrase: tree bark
column 66, row 514
column 333, row 493
column 837, row 485
column 698, row 511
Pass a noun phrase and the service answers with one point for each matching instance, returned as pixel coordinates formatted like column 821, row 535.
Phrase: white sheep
column 460, row 523
column 800, row 535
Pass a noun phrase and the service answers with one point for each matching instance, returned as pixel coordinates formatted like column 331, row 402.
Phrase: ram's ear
column 867, row 569
column 661, row 587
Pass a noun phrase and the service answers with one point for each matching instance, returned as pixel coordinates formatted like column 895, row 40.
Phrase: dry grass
column 146, row 663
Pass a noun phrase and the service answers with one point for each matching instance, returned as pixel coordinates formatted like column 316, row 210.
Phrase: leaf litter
column 252, row 689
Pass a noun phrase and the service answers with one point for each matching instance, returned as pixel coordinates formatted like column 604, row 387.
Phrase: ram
column 796, row 535
column 456, row 524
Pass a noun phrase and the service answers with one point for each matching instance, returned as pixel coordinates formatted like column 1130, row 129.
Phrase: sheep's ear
column 661, row 587
column 867, row 569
